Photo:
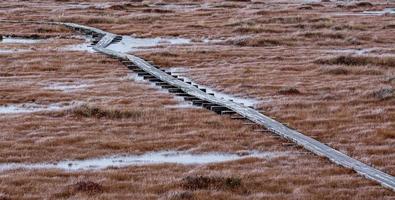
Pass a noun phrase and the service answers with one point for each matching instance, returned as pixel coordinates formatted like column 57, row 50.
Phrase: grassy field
column 321, row 68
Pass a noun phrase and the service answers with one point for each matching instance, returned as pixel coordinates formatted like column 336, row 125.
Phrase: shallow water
column 33, row 107
column 10, row 51
column 380, row 52
column 350, row 51
column 15, row 40
column 160, row 157
column 380, row 12
column 385, row 11
column 130, row 44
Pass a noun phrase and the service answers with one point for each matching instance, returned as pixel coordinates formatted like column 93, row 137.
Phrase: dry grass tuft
column 182, row 195
column 51, row 29
column 305, row 7
column 336, row 71
column 4, row 197
column 88, row 187
column 390, row 79
column 389, row 26
column 384, row 93
column 258, row 41
column 323, row 35
column 239, row 0
column 363, row 4
column 157, row 10
column 97, row 112
column 285, row 20
column 125, row 6
column 244, row 29
column 99, row 20
column 358, row 60
column 386, row 133
column 289, row 91
column 214, row 182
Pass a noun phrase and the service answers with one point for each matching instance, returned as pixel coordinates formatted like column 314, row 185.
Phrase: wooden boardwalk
column 221, row 106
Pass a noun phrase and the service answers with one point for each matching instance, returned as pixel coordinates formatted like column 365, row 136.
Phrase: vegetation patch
column 389, row 26
column 363, row 4
column 211, row 182
column 4, row 197
column 358, row 60
column 289, row 91
column 386, row 133
column 257, row 29
column 97, row 112
column 258, row 41
column 336, row 71
column 384, row 93
column 157, row 10
column 184, row 195
column 323, row 35
column 88, row 187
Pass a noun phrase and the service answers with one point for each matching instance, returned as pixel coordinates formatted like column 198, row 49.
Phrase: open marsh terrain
column 325, row 68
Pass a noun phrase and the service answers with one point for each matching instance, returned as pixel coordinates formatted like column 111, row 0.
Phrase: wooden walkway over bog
column 221, row 106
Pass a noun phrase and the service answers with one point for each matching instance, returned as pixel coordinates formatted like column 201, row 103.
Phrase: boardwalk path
column 221, row 106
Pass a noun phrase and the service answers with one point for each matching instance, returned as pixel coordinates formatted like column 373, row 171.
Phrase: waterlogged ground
column 151, row 158
column 72, row 107
column 16, row 40
column 33, row 107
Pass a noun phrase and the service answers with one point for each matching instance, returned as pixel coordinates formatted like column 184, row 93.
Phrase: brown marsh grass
column 343, row 109
column 359, row 60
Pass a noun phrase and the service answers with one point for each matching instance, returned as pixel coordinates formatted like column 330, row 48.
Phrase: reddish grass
column 337, row 106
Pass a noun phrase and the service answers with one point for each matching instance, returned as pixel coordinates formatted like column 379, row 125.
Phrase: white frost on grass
column 151, row 158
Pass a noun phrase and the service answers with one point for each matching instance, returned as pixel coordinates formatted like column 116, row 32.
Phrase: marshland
column 324, row 68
